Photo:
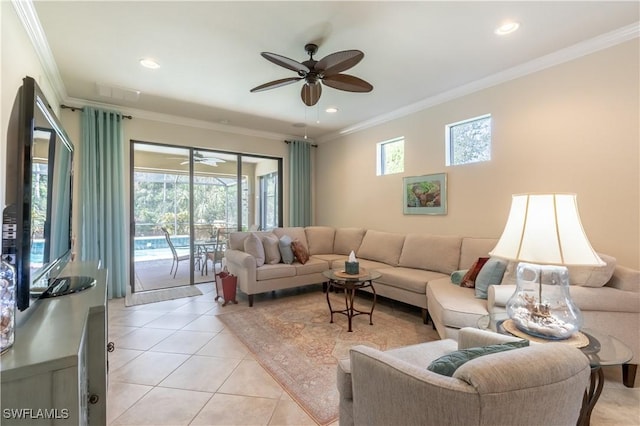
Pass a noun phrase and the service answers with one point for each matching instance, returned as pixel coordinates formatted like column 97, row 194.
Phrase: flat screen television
column 37, row 236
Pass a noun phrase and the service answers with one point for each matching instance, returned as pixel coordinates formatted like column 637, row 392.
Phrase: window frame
column 449, row 145
column 380, row 156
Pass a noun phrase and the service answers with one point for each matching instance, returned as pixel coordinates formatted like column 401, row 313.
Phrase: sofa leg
column 324, row 287
column 629, row 374
column 425, row 316
column 250, row 300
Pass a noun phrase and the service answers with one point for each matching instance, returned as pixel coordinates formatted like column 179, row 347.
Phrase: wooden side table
column 350, row 283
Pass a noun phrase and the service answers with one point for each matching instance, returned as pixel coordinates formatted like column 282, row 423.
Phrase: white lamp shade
column 545, row 229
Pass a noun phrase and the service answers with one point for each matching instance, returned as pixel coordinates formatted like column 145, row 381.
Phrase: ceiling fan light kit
column 327, row 70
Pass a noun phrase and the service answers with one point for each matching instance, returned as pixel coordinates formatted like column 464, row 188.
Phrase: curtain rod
column 313, row 144
column 72, row 108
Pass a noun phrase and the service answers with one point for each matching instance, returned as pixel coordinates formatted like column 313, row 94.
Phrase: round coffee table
column 601, row 350
column 339, row 279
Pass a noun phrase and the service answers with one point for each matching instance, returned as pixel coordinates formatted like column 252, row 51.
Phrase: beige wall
column 570, row 128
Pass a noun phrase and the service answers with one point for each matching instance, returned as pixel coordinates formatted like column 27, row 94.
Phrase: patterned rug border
column 277, row 337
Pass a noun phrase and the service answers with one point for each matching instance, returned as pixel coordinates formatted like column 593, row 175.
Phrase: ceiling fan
column 327, row 70
column 200, row 158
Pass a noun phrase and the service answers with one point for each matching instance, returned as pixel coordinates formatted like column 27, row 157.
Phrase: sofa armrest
column 345, row 389
column 498, row 295
column 473, row 337
column 243, row 265
column 240, row 258
column 387, row 389
column 626, row 279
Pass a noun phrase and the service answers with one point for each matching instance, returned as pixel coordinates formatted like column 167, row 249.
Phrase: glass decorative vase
column 7, row 305
column 541, row 305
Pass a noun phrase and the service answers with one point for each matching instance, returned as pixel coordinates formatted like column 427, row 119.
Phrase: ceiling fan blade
column 338, row 62
column 285, row 62
column 311, row 93
column 275, row 83
column 347, row 83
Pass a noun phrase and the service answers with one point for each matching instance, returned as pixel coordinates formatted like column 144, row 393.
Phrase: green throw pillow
column 448, row 364
column 490, row 274
column 457, row 276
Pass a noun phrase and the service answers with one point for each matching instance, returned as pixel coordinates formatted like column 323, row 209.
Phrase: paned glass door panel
column 162, row 252
column 185, row 202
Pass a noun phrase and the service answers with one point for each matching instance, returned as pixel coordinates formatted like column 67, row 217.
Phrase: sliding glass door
column 184, row 203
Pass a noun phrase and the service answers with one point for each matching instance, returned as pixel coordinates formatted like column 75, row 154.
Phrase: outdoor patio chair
column 176, row 258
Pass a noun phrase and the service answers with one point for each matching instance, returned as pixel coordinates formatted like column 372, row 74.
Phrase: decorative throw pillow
column 491, row 273
column 253, row 246
column 284, row 244
column 469, row 280
column 299, row 251
column 271, row 249
column 447, row 365
column 457, row 276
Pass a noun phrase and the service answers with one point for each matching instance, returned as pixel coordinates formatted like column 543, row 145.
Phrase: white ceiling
column 416, row 53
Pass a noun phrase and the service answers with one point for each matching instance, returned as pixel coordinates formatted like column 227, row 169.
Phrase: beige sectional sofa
column 407, row 262
column 416, row 269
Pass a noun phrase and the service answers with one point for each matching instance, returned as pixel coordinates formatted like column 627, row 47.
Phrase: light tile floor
column 175, row 364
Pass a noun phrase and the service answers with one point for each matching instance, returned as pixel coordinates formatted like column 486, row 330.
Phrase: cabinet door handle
column 111, row 347
column 93, row 399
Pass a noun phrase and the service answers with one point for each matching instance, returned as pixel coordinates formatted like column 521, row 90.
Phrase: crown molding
column 570, row 53
column 29, row 17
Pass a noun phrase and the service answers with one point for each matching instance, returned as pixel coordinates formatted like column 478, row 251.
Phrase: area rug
column 291, row 337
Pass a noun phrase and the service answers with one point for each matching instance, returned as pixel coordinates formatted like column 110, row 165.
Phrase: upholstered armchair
column 535, row 385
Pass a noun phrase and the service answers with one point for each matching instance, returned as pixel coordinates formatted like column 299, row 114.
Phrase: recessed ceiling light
column 331, row 110
column 507, row 28
column 149, row 63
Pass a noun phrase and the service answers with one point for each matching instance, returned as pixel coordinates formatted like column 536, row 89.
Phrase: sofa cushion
column 330, row 258
column 490, row 274
column 236, row 239
column 469, row 279
column 448, row 364
column 295, row 232
column 253, row 246
column 284, row 244
column 381, row 246
column 272, row 254
column 299, row 251
column 593, row 276
column 431, row 252
column 473, row 248
column 414, row 280
column 362, row 263
column 347, row 239
column 454, row 306
column 312, row 266
column 320, row 239
column 271, row 272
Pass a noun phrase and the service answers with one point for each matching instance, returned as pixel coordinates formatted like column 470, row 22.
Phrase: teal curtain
column 299, row 183
column 102, row 196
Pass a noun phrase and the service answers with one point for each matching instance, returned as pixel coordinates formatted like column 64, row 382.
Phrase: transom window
column 468, row 141
column 390, row 156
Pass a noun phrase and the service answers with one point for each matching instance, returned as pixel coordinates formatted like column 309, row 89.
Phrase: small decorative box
column 352, row 268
